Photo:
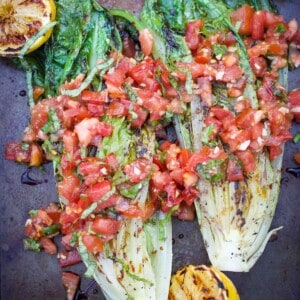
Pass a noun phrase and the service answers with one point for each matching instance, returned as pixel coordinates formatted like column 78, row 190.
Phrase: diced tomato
column 204, row 155
column 130, row 210
column 236, row 139
column 161, row 179
column 14, row 151
column 234, row 171
column 184, row 157
column 110, row 202
column 146, row 40
column 106, row 226
column 247, row 159
column 117, row 108
column 69, row 188
column 116, row 76
column 297, row 157
column 137, row 116
column 249, row 117
column 244, row 14
column 112, row 161
column 171, row 198
column 259, row 65
column 48, row 245
column 88, row 128
column 271, row 18
column 70, row 140
column 192, row 33
column 230, row 59
column 95, row 110
column 189, row 195
column 171, row 158
column 94, row 165
column 205, row 89
column 92, row 243
column 231, row 74
column 222, row 113
column 186, row 212
column 138, row 170
column 68, row 258
column 217, row 125
column 203, row 55
column 294, row 104
column 96, row 191
column 53, row 210
column 258, row 24
column 36, row 155
column 71, row 283
column 189, row 179
column 66, row 241
column 274, row 151
column 177, row 176
column 94, row 97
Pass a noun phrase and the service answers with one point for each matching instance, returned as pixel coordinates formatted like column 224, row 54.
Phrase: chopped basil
column 296, row 138
column 51, row 230
column 280, row 28
column 53, row 123
column 31, row 244
column 219, row 50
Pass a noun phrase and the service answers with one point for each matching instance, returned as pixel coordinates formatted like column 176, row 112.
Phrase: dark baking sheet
column 26, row 275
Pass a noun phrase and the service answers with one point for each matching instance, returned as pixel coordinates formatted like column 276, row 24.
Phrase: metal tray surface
column 26, row 275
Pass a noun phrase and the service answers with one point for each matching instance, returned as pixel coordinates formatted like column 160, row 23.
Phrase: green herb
column 53, row 123
column 31, row 244
column 51, row 230
column 296, row 137
column 280, row 28
column 219, row 50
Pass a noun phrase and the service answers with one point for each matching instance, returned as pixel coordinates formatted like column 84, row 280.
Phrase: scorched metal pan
column 26, row 275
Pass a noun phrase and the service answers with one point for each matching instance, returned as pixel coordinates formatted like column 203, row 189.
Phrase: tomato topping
column 138, row 170
column 259, row 65
column 98, row 190
column 92, row 243
column 14, row 151
column 247, row 159
column 94, row 97
column 294, row 104
column 69, row 188
column 71, row 283
column 244, row 15
column 258, row 24
column 146, row 41
column 104, row 225
column 192, row 33
column 234, row 171
column 68, row 258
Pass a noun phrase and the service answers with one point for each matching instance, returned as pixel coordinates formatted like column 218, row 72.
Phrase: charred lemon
column 201, row 282
column 22, row 19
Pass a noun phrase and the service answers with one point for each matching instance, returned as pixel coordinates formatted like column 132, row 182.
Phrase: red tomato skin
column 146, row 41
column 294, row 104
column 138, row 170
column 259, row 66
column 95, row 192
column 297, row 157
column 92, row 243
column 192, row 33
column 258, row 24
column 69, row 188
column 104, row 225
column 234, row 172
column 13, row 151
column 94, row 97
column 244, row 15
column 248, row 160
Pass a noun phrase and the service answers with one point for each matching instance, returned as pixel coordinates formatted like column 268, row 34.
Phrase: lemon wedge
column 201, row 282
column 20, row 20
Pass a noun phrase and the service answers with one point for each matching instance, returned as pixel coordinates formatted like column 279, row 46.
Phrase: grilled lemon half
column 20, row 20
column 201, row 282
